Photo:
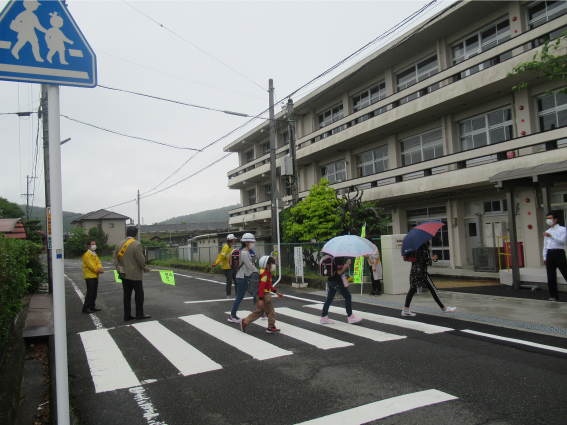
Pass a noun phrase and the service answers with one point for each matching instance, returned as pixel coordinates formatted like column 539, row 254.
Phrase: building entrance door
column 472, row 231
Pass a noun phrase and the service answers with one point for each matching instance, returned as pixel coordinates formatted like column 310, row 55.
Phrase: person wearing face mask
column 245, row 269
column 265, row 290
column 554, row 253
column 92, row 268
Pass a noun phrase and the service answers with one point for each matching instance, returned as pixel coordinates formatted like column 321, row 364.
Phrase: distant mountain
column 38, row 213
column 209, row 216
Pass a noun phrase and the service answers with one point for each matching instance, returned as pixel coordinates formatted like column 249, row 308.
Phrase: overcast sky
column 291, row 42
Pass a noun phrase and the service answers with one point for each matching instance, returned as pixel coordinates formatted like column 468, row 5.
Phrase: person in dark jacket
column 419, row 278
column 336, row 284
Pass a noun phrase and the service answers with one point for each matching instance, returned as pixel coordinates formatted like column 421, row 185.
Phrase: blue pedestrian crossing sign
column 41, row 43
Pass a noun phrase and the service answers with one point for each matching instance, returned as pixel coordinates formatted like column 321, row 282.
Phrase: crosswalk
column 111, row 371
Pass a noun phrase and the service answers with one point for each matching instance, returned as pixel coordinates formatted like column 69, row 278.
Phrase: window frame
column 111, row 225
column 341, row 112
column 368, row 90
column 421, row 136
column 334, row 164
column 250, row 197
column 417, row 75
column 556, row 109
column 248, row 159
column 267, row 150
column 267, row 194
column 384, row 159
column 503, row 207
column 530, row 23
column 487, row 128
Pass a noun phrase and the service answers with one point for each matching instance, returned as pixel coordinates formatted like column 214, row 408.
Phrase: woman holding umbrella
column 419, row 236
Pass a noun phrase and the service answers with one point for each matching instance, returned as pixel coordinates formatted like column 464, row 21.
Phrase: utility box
column 286, row 166
column 395, row 270
column 485, row 259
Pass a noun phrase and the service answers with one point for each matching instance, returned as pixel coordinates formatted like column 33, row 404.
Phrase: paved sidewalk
column 546, row 317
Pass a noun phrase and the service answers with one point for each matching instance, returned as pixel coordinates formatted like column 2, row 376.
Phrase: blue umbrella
column 419, row 235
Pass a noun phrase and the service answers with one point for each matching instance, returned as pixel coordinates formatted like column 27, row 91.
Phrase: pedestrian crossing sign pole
column 42, row 43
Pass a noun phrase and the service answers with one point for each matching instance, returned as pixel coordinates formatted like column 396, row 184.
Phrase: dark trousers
column 376, row 284
column 137, row 287
column 429, row 284
column 92, row 289
column 230, row 275
column 555, row 260
column 332, row 289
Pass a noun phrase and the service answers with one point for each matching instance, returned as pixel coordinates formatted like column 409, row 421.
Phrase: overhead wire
column 195, row 46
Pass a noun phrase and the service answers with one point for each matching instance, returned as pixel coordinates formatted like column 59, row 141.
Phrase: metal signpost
column 41, row 43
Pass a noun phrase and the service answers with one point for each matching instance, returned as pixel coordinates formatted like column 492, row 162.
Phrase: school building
column 423, row 124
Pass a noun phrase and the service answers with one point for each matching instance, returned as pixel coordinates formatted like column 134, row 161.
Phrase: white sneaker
column 408, row 313
column 233, row 319
column 449, row 309
column 553, row 299
column 264, row 317
column 353, row 319
column 326, row 321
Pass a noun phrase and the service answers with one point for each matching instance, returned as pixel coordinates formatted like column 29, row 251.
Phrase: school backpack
column 235, row 259
column 253, row 284
column 326, row 266
column 410, row 256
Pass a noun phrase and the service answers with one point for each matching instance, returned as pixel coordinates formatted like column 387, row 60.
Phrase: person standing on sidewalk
column 129, row 261
column 554, row 254
column 375, row 271
column 246, row 268
column 265, row 289
column 336, row 284
column 92, row 268
column 419, row 278
column 224, row 260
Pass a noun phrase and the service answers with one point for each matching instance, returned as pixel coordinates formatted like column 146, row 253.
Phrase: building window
column 334, row 172
column 331, row 115
column 552, row 111
column 479, row 42
column 422, row 147
column 266, row 148
column 285, row 139
column 372, row 162
column 544, row 11
column 417, row 72
column 268, row 192
column 487, row 129
column 249, row 156
column 252, row 197
column 111, row 225
column 369, row 96
column 498, row 206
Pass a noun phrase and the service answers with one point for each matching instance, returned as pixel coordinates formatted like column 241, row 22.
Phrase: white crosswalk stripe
column 254, row 347
column 313, row 338
column 387, row 320
column 187, row 359
column 109, row 368
column 357, row 330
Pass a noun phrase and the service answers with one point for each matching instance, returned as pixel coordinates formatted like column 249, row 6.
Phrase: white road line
column 518, row 341
column 187, row 359
column 254, row 347
column 387, row 320
column 304, row 299
column 214, row 301
column 146, row 405
column 309, row 337
column 200, row 278
column 383, row 408
column 340, row 326
column 109, row 368
column 95, row 319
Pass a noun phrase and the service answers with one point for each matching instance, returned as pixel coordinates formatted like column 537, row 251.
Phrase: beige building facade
column 422, row 124
column 112, row 223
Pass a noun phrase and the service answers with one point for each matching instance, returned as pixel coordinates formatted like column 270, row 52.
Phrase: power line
column 129, row 136
column 198, row 48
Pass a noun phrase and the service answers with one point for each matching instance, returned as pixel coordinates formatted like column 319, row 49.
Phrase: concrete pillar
column 530, row 237
column 350, row 165
column 394, row 158
column 312, row 122
column 390, row 80
column 399, row 221
column 459, row 239
column 347, row 104
column 515, row 10
column 443, row 54
column 510, row 195
column 450, row 229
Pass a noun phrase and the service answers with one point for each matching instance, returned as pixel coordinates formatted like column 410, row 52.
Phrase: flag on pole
column 359, row 262
column 166, row 276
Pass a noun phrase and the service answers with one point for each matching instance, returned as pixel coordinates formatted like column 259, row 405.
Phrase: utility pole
column 273, row 165
column 45, row 125
column 27, row 195
column 292, row 150
column 139, row 225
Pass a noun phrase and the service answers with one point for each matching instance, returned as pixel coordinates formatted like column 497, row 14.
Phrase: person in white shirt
column 554, row 253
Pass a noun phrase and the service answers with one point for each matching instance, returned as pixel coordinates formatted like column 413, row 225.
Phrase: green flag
column 359, row 262
column 117, row 277
column 167, row 277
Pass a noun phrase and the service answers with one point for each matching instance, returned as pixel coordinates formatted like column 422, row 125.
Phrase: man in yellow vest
column 91, row 269
column 129, row 261
column 224, row 259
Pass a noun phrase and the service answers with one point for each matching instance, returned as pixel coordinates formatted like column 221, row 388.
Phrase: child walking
column 265, row 290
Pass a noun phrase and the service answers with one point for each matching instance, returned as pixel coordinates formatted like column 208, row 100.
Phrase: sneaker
column 553, row 299
column 228, row 297
column 449, row 309
column 353, row 319
column 408, row 313
column 243, row 326
column 233, row 319
column 272, row 331
column 264, row 317
column 326, row 321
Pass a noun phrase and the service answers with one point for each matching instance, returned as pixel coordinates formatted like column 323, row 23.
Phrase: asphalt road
column 188, row 365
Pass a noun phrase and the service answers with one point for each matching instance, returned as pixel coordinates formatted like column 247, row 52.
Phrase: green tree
column 99, row 236
column 147, row 243
column 374, row 226
column 31, row 227
column 77, row 242
column 545, row 64
column 10, row 209
column 314, row 217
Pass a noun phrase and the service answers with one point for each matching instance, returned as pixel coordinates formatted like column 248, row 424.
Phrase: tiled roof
column 101, row 215
column 13, row 228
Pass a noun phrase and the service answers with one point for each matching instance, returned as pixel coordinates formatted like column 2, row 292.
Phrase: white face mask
column 93, row 247
column 549, row 222
column 251, row 245
column 273, row 268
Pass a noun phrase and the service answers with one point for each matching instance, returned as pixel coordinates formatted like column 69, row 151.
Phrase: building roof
column 13, row 228
column 530, row 172
column 101, row 215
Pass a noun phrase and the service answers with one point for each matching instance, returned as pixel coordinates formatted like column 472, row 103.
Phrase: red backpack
column 235, row 259
column 326, row 266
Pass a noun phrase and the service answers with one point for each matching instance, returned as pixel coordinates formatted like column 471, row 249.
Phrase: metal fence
column 311, row 254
